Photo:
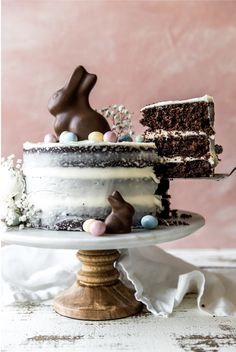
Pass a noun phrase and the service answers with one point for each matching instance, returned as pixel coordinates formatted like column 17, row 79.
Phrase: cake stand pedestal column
column 97, row 294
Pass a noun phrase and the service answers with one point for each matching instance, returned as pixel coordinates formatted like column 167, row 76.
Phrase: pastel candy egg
column 110, row 136
column 67, row 137
column 149, row 222
column 87, row 223
column 50, row 138
column 97, row 228
column 125, row 138
column 139, row 138
column 95, row 136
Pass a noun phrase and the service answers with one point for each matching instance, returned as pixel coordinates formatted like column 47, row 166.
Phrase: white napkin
column 160, row 280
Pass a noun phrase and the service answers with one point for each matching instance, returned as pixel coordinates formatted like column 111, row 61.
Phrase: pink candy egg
column 110, row 136
column 50, row 138
column 97, row 228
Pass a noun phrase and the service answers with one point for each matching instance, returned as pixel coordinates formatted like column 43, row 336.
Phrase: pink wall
column 142, row 51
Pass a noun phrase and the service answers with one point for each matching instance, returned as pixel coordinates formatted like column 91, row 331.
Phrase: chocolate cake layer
column 89, row 154
column 197, row 116
column 185, row 169
column 163, row 186
column 162, row 190
column 165, row 213
column 186, row 146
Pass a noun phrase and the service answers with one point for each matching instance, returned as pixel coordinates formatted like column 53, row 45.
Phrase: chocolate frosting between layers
column 71, row 108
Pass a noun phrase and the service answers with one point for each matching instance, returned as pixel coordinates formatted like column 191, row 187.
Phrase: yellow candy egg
column 95, row 136
column 87, row 224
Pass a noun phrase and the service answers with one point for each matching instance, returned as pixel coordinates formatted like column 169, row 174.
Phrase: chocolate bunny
column 120, row 219
column 70, row 106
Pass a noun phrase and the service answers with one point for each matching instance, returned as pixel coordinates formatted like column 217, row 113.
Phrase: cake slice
column 183, row 132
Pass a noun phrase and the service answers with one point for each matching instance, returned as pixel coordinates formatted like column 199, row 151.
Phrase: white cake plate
column 98, row 294
column 83, row 240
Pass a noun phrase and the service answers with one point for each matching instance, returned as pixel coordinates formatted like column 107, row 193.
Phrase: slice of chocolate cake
column 183, row 132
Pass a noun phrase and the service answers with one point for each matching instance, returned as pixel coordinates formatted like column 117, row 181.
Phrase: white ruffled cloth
column 160, row 280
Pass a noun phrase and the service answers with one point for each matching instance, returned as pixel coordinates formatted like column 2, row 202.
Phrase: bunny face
column 54, row 103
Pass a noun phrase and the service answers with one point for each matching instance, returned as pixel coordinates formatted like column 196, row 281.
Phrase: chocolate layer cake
column 183, row 132
column 70, row 183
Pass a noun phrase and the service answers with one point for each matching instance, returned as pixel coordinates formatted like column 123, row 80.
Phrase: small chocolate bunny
column 70, row 106
column 120, row 219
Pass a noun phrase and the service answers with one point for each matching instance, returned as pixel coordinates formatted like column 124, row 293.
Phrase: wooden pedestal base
column 98, row 294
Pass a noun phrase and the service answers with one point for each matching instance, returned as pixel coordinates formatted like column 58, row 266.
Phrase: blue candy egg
column 139, row 138
column 149, row 222
column 67, row 137
column 125, row 138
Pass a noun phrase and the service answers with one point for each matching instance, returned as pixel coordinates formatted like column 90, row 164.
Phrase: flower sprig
column 15, row 209
column 120, row 119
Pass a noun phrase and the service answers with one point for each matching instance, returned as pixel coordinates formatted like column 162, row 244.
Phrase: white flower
column 23, row 218
column 11, row 191
column 12, row 183
column 5, row 205
column 12, row 218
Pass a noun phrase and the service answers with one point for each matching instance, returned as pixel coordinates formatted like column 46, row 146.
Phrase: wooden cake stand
column 98, row 294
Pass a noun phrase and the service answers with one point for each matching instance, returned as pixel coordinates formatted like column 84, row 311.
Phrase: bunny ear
column 115, row 203
column 86, row 84
column 118, row 196
column 62, row 96
column 74, row 81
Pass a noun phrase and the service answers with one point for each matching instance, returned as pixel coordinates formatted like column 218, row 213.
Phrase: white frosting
column 206, row 98
column 174, row 133
column 90, row 173
column 158, row 202
column 180, row 159
column 46, row 201
column 214, row 158
column 58, row 198
column 29, row 145
column 61, row 192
